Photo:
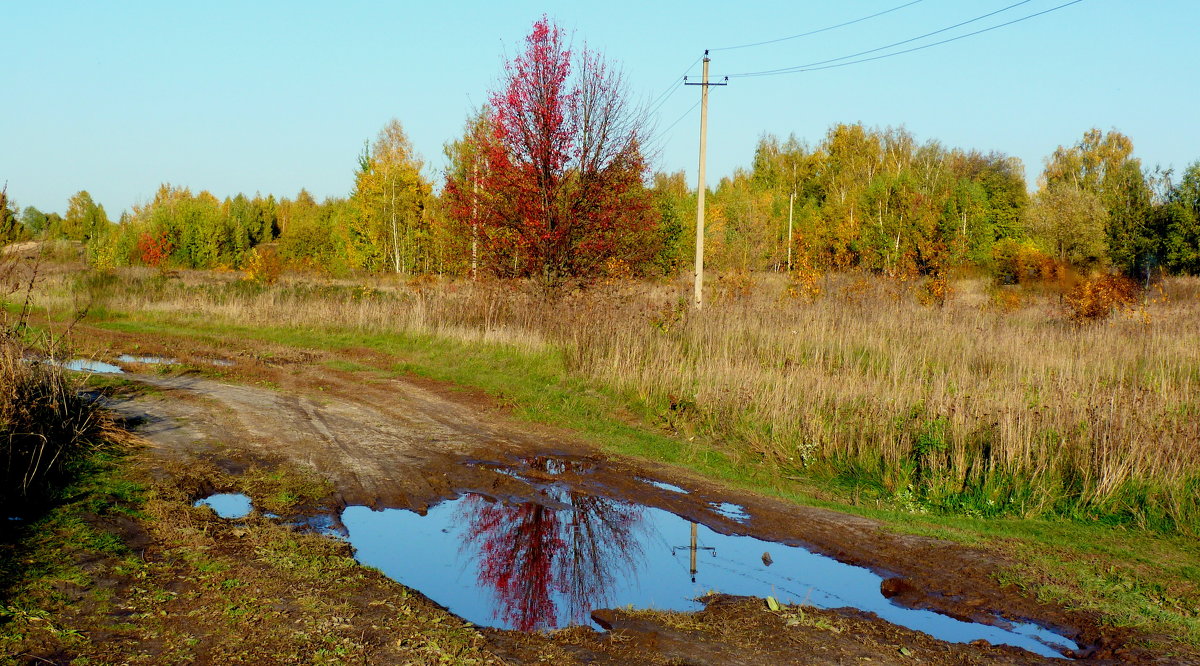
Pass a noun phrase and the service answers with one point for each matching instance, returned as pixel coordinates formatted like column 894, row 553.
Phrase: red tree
column 154, row 250
column 562, row 188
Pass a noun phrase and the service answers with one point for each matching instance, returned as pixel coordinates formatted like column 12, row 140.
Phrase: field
column 978, row 407
column 1066, row 449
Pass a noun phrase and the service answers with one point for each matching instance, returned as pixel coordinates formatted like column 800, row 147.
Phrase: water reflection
column 548, row 563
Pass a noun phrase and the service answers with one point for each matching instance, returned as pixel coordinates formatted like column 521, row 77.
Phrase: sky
column 118, row 97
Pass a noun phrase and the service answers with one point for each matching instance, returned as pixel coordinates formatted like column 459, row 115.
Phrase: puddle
column 219, row 362
column 731, row 511
column 549, row 563
column 149, row 360
column 87, row 365
column 227, row 505
column 664, row 486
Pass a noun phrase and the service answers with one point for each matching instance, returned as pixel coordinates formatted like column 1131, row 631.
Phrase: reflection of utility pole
column 701, row 187
column 693, row 548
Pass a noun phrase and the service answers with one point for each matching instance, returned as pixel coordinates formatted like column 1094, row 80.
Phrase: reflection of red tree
column 529, row 552
column 517, row 544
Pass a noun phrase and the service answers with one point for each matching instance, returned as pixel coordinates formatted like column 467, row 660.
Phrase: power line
column 814, row 66
column 813, row 32
column 887, row 46
column 666, row 94
column 662, row 134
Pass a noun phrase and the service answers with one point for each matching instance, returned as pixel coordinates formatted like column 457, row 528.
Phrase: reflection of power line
column 693, row 548
column 775, row 583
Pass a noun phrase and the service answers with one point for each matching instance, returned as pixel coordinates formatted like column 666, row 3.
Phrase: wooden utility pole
column 475, row 219
column 791, row 205
column 701, row 187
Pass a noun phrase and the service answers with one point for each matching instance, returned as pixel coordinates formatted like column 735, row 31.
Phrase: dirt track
column 391, row 443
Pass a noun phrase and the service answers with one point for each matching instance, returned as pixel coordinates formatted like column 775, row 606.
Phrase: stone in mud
column 894, row 587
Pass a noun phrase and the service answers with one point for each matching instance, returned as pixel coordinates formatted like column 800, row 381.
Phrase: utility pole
column 701, row 187
column 791, row 205
column 475, row 219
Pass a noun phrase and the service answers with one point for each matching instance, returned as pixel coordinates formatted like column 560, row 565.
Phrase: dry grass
column 969, row 406
column 44, row 423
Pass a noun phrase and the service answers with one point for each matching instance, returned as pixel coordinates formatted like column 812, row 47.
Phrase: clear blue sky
column 118, row 97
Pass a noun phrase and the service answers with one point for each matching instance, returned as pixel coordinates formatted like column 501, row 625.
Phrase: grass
column 1070, row 448
column 196, row 589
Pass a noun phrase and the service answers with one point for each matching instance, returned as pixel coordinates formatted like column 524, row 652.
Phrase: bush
column 1097, row 298
column 264, row 265
column 1017, row 262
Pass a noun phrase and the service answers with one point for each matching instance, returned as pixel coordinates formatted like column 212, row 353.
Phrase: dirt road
column 409, row 443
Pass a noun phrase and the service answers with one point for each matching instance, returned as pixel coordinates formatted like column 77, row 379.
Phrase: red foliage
column 550, row 566
column 562, row 187
column 154, row 250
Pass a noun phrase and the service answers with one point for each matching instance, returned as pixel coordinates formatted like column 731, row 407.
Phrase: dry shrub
column 936, row 290
column 857, row 290
column 264, row 265
column 422, row 281
column 615, row 271
column 44, row 422
column 805, row 283
column 1095, row 299
column 736, row 285
column 1005, row 300
column 1015, row 262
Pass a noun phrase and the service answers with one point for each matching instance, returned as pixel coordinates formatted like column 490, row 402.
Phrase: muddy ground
column 401, row 442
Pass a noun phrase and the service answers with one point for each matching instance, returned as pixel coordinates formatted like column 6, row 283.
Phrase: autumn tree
column 565, row 185
column 392, row 196
column 10, row 227
column 34, row 220
column 1102, row 163
column 1179, row 217
column 84, row 219
column 463, row 194
column 1069, row 221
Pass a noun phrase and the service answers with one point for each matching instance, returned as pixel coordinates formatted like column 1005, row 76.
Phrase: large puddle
column 549, row 562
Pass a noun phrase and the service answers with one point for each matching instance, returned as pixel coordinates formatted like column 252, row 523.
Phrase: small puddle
column 88, row 365
column 227, row 505
column 548, row 563
column 731, row 511
column 148, row 360
column 663, row 485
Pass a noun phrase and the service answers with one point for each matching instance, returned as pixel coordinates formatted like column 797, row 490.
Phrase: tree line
column 548, row 181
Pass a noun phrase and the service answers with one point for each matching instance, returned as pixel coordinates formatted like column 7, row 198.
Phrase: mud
column 403, row 443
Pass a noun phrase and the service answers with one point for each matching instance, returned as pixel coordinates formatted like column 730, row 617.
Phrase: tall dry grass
column 988, row 405
column 45, row 424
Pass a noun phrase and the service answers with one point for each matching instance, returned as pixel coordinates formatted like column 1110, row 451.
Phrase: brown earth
column 389, row 442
